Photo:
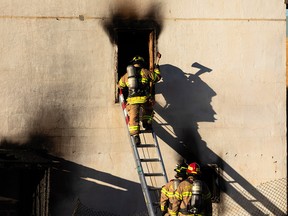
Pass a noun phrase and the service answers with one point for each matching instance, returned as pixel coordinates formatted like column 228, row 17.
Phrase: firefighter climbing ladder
column 150, row 166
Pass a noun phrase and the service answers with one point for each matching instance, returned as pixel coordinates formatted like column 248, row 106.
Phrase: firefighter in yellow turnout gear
column 168, row 190
column 192, row 197
column 137, row 79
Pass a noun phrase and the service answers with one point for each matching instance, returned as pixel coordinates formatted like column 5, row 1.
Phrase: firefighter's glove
column 156, row 66
column 151, row 102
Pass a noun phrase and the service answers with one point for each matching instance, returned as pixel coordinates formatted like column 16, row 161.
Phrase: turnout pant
column 139, row 112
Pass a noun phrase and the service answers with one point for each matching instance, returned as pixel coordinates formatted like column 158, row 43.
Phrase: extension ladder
column 150, row 166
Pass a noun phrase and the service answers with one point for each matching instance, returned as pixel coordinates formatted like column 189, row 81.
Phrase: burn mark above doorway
column 128, row 17
column 133, row 34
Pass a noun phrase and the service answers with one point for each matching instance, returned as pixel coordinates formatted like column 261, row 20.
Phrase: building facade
column 221, row 100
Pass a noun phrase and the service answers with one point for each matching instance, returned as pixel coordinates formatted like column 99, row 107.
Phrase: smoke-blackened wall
column 131, row 16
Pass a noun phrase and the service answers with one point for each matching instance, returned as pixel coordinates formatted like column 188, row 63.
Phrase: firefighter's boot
column 147, row 125
column 136, row 139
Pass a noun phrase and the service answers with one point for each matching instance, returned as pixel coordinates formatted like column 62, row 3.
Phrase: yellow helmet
column 138, row 60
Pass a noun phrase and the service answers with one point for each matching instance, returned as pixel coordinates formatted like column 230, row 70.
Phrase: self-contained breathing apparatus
column 196, row 203
column 135, row 87
column 176, row 183
column 132, row 80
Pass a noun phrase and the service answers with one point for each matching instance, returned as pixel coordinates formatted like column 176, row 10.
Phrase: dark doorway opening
column 132, row 42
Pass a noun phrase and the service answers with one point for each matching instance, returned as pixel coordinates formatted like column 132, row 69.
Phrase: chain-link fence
column 82, row 210
column 267, row 199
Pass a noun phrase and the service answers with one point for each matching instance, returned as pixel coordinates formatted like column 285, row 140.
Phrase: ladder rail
column 147, row 197
column 142, row 175
column 160, row 156
column 145, row 190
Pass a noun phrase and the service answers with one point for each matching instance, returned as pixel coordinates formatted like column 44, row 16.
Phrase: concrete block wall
column 222, row 93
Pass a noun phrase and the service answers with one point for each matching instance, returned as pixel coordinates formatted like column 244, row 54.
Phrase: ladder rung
column 146, row 146
column 156, row 203
column 154, row 188
column 163, row 124
column 153, row 174
column 145, row 131
column 150, row 160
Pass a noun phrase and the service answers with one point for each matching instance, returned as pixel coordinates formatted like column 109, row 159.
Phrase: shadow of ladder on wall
column 150, row 165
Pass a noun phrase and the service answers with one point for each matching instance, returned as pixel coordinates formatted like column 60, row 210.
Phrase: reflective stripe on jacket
column 146, row 77
column 137, row 99
column 183, row 195
column 167, row 195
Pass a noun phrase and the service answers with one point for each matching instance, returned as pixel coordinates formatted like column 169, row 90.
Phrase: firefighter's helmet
column 193, row 169
column 181, row 170
column 138, row 60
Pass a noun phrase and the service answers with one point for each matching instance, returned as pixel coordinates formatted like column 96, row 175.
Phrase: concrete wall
column 222, row 95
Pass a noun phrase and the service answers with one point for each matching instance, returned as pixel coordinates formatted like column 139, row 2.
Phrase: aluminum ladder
column 150, row 166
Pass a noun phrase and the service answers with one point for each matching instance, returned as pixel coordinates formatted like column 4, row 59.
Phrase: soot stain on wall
column 127, row 16
column 44, row 139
